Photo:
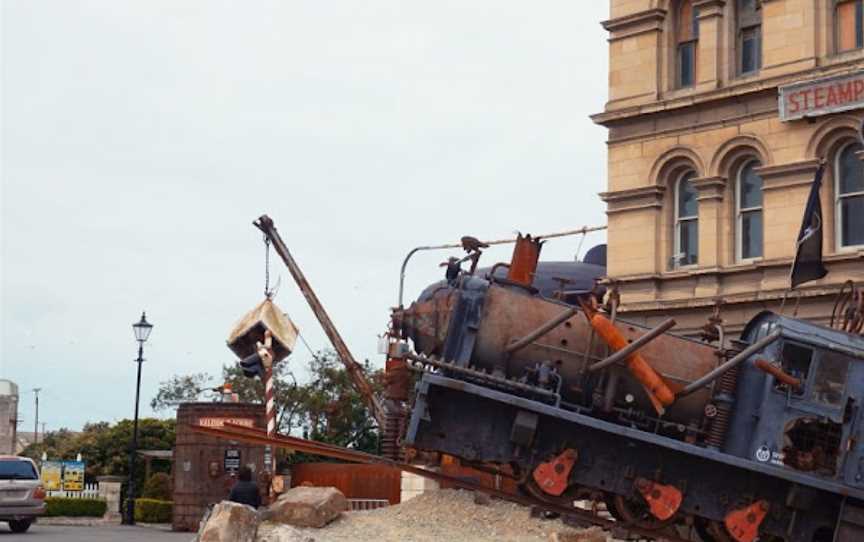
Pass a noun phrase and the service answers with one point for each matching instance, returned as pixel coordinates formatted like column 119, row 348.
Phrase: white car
column 22, row 498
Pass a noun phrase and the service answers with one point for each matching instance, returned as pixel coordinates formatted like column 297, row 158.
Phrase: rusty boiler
column 481, row 321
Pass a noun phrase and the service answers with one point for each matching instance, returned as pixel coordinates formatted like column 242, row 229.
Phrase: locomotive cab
column 799, row 401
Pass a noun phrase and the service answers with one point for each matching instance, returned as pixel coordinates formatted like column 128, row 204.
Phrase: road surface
column 106, row 533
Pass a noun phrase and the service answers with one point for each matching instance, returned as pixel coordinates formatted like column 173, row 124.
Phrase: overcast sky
column 141, row 139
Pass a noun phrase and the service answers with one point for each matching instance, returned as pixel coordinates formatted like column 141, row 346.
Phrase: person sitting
column 245, row 491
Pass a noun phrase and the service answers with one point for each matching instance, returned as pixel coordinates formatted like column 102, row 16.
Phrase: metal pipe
column 542, row 330
column 713, row 375
column 631, row 348
column 478, row 374
column 778, row 373
column 265, row 224
column 583, row 230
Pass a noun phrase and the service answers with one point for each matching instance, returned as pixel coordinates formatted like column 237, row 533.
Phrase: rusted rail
column 583, row 230
column 716, row 373
column 259, row 436
column 355, row 371
column 631, row 348
column 542, row 330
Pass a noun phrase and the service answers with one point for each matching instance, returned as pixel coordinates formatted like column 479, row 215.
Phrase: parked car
column 22, row 498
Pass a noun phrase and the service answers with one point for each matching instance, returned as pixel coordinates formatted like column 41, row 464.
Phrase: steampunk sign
column 821, row 96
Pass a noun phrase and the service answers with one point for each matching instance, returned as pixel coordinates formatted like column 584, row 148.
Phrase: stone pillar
column 711, row 220
column 785, row 189
column 109, row 489
column 711, row 57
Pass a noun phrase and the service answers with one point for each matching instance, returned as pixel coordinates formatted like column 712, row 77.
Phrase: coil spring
column 719, row 427
column 728, row 381
column 724, row 396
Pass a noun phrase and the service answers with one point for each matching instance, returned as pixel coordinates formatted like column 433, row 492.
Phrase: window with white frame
column 748, row 211
column 849, row 200
column 686, row 222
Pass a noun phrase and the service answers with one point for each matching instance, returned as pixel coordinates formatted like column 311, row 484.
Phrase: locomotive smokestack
column 523, row 265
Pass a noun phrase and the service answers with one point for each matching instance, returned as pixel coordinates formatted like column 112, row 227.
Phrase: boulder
column 230, row 522
column 307, row 506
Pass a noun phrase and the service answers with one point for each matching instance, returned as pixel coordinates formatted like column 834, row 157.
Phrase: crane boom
column 355, row 371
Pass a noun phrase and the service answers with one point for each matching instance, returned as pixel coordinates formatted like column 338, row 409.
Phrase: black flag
column 807, row 264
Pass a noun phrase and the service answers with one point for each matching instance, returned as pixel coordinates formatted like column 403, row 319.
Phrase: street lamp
column 142, row 330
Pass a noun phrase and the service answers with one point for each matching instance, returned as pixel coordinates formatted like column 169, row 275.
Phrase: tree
column 327, row 408
column 105, row 447
column 180, row 389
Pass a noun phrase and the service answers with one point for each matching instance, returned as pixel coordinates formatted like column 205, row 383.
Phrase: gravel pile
column 443, row 516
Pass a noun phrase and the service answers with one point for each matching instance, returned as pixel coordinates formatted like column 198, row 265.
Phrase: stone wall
column 657, row 131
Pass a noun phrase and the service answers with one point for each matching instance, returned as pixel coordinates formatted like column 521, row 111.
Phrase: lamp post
column 142, row 330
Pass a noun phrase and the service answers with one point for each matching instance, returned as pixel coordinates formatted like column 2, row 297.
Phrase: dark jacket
column 245, row 493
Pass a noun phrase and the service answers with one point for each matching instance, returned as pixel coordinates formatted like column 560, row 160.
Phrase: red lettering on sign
column 819, row 98
column 832, row 97
column 822, row 96
column 807, row 94
column 845, row 92
column 793, row 106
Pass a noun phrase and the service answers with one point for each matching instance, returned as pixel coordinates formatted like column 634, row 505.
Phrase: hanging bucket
column 250, row 330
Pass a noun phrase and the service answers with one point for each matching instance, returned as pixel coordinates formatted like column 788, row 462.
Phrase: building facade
column 719, row 113
column 8, row 417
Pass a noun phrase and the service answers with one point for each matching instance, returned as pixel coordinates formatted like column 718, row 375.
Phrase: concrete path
column 106, row 533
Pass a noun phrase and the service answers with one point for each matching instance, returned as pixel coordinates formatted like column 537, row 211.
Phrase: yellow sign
column 51, row 475
column 73, row 475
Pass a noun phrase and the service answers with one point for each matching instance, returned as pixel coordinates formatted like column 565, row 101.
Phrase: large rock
column 308, row 506
column 230, row 522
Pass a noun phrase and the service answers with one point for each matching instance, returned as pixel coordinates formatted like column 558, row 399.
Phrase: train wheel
column 530, row 488
column 635, row 512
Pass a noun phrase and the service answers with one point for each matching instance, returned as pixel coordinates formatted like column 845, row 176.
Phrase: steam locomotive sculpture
column 758, row 438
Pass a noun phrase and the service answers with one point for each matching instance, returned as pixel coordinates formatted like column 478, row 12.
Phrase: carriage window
column 830, row 380
column 796, row 362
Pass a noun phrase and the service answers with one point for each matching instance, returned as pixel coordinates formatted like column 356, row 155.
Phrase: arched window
column 749, row 28
column 848, row 31
column 686, row 222
column 849, row 201
column 748, row 211
column 687, row 41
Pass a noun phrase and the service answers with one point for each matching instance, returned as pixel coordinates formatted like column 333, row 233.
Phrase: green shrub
column 63, row 506
column 158, row 487
column 153, row 511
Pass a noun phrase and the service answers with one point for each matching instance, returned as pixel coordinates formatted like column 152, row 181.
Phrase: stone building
column 8, row 417
column 719, row 112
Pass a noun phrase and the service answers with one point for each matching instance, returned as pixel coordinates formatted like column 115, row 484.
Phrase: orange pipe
column 658, row 391
column 778, row 373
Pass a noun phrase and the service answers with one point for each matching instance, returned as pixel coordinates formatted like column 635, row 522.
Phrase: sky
column 140, row 139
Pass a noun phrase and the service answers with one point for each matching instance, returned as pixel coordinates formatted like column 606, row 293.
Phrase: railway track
column 571, row 514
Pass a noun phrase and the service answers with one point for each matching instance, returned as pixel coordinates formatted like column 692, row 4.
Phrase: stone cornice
column 787, row 175
column 737, row 269
column 709, row 8
column 730, row 91
column 710, row 187
column 650, row 20
column 633, row 199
